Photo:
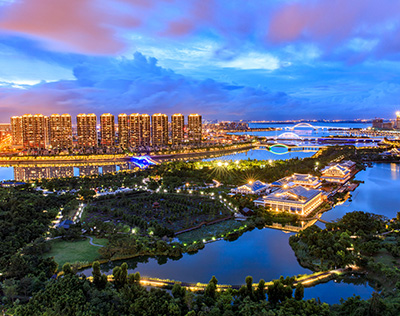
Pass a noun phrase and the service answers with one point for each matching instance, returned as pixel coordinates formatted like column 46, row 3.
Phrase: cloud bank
column 103, row 27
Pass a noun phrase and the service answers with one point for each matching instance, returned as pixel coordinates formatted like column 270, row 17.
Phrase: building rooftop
column 254, row 186
column 296, row 194
column 297, row 178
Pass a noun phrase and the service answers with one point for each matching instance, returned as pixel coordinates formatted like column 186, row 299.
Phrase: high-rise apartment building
column 194, row 128
column 86, row 128
column 145, row 139
column 139, row 128
column 107, row 130
column 159, row 129
column 35, row 131
column 397, row 123
column 16, row 131
column 60, row 131
column 177, row 128
column 123, row 130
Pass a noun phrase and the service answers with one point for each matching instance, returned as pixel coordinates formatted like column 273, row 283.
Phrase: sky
column 224, row 59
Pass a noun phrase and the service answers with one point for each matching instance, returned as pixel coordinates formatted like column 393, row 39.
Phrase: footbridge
column 280, row 148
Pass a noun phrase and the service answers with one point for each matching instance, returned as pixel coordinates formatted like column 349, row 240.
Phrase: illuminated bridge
column 281, row 149
column 309, row 126
column 142, row 161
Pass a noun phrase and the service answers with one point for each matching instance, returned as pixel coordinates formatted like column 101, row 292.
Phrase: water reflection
column 378, row 193
column 35, row 172
column 395, row 171
column 332, row 291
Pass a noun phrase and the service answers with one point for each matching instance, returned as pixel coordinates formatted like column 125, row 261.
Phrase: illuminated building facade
column 194, row 128
column 139, row 129
column 255, row 187
column 123, row 130
column 159, row 129
column 107, row 130
column 35, row 131
column 177, row 128
column 60, row 131
column 297, row 200
column 16, row 131
column 397, row 123
column 305, row 180
column 338, row 173
column 145, row 139
column 86, row 128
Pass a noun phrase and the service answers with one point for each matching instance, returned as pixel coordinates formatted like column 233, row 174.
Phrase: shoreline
column 33, row 160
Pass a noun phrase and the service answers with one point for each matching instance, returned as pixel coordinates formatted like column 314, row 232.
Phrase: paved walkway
column 91, row 241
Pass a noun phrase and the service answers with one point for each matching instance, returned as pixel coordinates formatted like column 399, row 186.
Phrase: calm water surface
column 379, row 194
column 263, row 254
column 260, row 154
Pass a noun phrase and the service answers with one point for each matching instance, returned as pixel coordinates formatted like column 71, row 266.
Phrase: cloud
column 360, row 28
column 84, row 26
column 371, row 25
column 140, row 85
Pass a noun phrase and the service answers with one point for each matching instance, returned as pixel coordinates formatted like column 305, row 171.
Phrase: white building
column 305, row 180
column 296, row 200
column 338, row 173
column 255, row 187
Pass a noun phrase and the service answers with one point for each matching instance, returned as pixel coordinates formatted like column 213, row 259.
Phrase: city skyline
column 274, row 60
column 57, row 131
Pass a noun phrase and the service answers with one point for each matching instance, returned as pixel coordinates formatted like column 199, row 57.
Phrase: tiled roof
column 295, row 194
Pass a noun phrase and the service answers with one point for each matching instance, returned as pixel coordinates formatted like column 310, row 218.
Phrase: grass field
column 207, row 232
column 74, row 251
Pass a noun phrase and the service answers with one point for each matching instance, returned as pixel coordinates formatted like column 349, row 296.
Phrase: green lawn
column 75, row 251
column 207, row 232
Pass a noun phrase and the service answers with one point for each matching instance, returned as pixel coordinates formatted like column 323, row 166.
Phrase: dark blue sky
column 226, row 59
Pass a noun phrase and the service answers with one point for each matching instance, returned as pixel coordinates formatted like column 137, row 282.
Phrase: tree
column 249, row 287
column 10, row 289
column 211, row 287
column 178, row 291
column 99, row 280
column 67, row 268
column 279, row 291
column 260, row 291
column 299, row 291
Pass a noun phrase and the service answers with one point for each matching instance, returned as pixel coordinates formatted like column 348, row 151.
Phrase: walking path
column 91, row 241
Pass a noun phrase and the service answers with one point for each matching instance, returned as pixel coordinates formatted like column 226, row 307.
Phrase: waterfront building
column 177, row 128
column 377, row 123
column 86, row 128
column 139, row 130
column 16, row 131
column 388, row 125
column 255, row 187
column 397, row 124
column 35, row 131
column 296, row 200
column 107, row 130
column 305, row 180
column 60, row 131
column 123, row 130
column 339, row 172
column 194, row 128
column 159, row 129
column 145, row 136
